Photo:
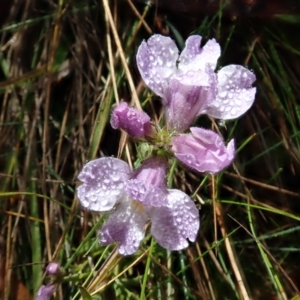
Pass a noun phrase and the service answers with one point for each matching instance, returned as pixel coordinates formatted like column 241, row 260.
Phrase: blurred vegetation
column 63, row 64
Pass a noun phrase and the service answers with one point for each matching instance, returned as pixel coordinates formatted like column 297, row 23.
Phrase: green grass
column 63, row 65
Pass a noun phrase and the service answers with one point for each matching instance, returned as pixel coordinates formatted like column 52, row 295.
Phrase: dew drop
column 160, row 61
column 115, row 177
column 237, row 102
column 223, row 94
column 169, row 64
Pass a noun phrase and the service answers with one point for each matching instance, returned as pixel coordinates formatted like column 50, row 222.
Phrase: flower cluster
column 188, row 86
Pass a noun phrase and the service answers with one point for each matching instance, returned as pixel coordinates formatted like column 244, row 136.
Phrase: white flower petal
column 156, row 61
column 192, row 59
column 173, row 224
column 103, row 183
column 235, row 93
column 125, row 226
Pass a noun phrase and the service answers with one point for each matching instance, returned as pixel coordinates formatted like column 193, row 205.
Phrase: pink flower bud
column 53, row 268
column 136, row 123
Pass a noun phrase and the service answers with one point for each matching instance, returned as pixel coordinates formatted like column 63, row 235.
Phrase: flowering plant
column 189, row 87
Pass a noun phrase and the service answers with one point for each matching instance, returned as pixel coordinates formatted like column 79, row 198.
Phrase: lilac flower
column 45, row 292
column 138, row 196
column 188, row 84
column 189, row 87
column 136, row 123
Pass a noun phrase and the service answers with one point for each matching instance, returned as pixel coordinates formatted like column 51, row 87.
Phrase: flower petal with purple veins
column 188, row 94
column 178, row 221
column 136, row 123
column 235, row 93
column 195, row 58
column 103, row 182
column 126, row 226
column 156, row 61
column 148, row 196
column 152, row 172
column 203, row 150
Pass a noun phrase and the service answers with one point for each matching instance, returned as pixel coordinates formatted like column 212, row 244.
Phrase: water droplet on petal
column 223, row 94
column 115, row 177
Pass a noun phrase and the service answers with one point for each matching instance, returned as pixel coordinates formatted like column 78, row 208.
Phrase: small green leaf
column 85, row 294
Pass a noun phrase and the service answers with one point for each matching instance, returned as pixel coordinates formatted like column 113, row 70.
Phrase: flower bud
column 45, row 292
column 53, row 268
column 136, row 123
